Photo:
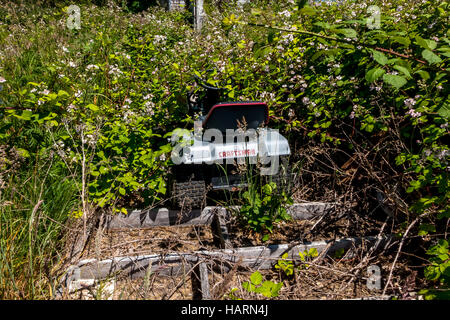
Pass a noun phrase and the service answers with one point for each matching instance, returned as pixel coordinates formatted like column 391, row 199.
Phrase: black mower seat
column 226, row 115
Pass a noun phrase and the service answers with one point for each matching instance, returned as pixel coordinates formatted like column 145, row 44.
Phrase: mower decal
column 237, row 153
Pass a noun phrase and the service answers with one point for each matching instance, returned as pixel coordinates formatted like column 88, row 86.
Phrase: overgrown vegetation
column 263, row 207
column 85, row 115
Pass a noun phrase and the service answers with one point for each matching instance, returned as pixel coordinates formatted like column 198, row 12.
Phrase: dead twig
column 400, row 250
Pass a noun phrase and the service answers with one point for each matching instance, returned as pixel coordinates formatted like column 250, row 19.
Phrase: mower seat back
column 226, row 115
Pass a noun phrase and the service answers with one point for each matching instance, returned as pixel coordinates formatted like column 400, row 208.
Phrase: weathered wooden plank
column 134, row 267
column 310, row 210
column 92, row 286
column 166, row 217
column 204, row 280
column 160, row 217
column 261, row 257
column 264, row 257
column 220, row 229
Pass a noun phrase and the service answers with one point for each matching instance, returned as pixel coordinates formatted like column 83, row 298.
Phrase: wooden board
column 261, row 257
column 166, row 217
column 160, row 217
column 310, row 210
column 206, row 294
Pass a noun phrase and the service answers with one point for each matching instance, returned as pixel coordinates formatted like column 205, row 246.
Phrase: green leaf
column 26, row 114
column 269, row 289
column 402, row 40
column 400, row 159
column 324, row 25
column 256, row 12
column 308, row 11
column 443, row 243
column 443, row 257
column 431, row 57
column 439, row 294
column 374, row 74
column 403, row 70
column 267, row 189
column 426, row 44
column 262, row 52
column 276, row 288
column 424, row 74
column 124, row 139
column 432, row 273
column 302, row 256
column 426, row 228
column 95, row 173
column 62, row 93
column 445, row 51
column 367, row 127
column 122, row 191
column 347, row 32
column 395, row 80
column 256, row 278
column 248, row 286
column 92, row 107
column 103, row 170
column 313, row 252
column 415, row 184
column 22, row 152
column 318, row 55
column 379, row 57
column 444, row 111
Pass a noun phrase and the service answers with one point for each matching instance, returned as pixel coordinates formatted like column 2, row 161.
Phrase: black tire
column 189, row 194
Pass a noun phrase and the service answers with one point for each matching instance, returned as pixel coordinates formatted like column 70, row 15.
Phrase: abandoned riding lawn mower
column 230, row 144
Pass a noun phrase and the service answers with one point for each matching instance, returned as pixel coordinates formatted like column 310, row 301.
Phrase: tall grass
column 38, row 196
column 33, row 209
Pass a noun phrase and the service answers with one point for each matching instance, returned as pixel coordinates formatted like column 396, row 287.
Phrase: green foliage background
column 98, row 102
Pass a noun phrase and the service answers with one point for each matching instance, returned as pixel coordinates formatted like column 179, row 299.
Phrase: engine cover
column 263, row 145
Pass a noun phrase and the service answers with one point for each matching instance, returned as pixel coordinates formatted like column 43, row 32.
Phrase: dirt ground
column 323, row 278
